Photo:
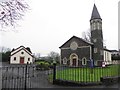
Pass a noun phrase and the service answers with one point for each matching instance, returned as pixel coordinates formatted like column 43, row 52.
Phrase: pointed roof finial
column 95, row 13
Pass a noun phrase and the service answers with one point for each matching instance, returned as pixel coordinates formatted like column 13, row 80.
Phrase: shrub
column 42, row 65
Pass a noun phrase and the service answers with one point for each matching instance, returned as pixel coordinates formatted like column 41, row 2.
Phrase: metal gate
column 23, row 76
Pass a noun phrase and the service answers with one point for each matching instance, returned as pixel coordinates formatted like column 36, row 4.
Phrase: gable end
column 24, row 50
column 78, row 41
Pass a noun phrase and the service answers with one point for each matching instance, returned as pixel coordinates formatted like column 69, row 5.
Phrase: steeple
column 95, row 13
column 96, row 36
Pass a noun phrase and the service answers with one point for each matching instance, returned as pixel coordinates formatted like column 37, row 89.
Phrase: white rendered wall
column 18, row 55
column 107, row 57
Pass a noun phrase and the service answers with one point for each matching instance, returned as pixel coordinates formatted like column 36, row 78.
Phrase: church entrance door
column 21, row 60
column 73, row 59
column 74, row 62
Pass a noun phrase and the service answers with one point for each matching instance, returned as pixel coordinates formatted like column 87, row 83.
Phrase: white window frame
column 84, row 61
column 95, row 50
column 94, row 26
column 65, row 60
column 98, row 25
column 94, row 40
column 95, row 63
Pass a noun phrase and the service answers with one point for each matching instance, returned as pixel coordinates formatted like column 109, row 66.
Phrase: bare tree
column 87, row 35
column 11, row 11
column 54, row 56
column 38, row 55
column 4, row 49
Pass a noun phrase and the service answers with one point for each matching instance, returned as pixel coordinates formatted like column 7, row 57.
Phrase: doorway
column 21, row 60
column 73, row 59
column 74, row 62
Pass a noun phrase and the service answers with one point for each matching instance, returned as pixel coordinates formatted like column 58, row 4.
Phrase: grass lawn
column 87, row 74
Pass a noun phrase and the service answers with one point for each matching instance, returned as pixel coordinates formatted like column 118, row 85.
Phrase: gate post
column 26, row 76
column 54, row 73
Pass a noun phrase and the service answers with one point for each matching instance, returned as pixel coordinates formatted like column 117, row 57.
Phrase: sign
column 103, row 64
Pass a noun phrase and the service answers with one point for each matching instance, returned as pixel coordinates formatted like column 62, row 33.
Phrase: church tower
column 96, row 36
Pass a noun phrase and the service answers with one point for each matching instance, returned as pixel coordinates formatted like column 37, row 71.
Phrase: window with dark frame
column 28, row 59
column 14, row 58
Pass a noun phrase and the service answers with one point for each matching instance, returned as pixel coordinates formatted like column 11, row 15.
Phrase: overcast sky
column 50, row 23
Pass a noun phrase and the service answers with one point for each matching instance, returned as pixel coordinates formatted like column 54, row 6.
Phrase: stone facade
column 78, row 52
column 97, row 35
column 76, row 57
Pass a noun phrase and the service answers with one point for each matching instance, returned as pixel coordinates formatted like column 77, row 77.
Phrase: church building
column 79, row 52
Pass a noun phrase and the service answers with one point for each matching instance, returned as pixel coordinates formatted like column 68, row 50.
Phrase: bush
column 42, row 65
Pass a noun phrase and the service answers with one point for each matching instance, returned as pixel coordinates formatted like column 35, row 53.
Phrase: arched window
column 65, row 60
column 95, row 63
column 95, row 50
column 84, row 61
column 94, row 26
column 98, row 25
column 94, row 40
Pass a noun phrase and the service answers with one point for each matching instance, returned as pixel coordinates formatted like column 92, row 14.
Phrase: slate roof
column 27, row 48
column 107, row 49
column 95, row 13
column 77, row 38
column 22, row 48
column 114, row 51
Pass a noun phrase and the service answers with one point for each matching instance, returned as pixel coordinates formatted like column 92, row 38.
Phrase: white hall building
column 21, row 55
